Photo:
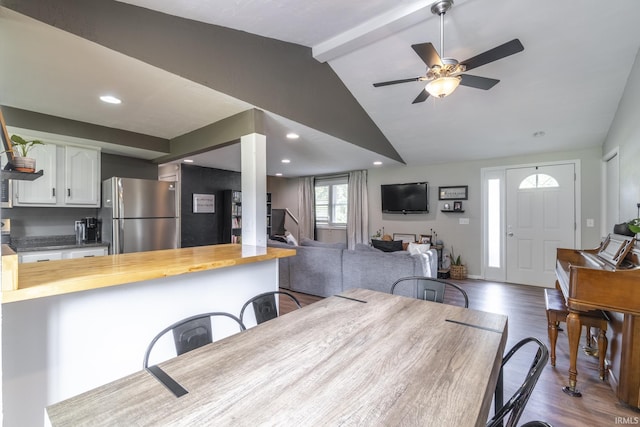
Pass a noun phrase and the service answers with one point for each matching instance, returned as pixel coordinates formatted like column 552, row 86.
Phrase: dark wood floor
column 524, row 306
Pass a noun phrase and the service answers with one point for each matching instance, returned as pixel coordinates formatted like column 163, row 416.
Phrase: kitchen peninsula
column 72, row 325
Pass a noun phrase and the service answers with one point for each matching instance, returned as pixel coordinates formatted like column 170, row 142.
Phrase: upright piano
column 606, row 278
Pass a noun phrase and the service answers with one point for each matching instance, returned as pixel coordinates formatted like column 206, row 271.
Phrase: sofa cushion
column 377, row 271
column 305, row 241
column 316, row 271
column 387, row 246
column 366, row 248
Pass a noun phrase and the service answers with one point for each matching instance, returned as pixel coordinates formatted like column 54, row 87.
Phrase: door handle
column 510, row 234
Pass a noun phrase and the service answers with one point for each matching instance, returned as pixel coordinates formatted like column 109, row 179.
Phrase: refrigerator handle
column 118, row 240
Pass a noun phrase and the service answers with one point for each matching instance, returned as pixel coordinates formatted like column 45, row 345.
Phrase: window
column 538, row 180
column 331, row 201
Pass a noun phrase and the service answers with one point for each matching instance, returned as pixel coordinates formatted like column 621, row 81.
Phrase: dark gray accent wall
column 276, row 76
column 199, row 229
column 61, row 126
column 224, row 132
column 127, row 167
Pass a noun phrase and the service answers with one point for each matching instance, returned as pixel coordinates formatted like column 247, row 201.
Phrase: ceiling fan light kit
column 442, row 86
column 444, row 75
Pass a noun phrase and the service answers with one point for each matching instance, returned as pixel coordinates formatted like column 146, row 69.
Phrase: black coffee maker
column 92, row 228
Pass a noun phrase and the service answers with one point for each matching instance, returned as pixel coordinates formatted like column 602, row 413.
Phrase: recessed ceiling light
column 539, row 134
column 293, row 135
column 188, row 161
column 286, row 161
column 110, row 99
column 278, row 174
column 377, row 163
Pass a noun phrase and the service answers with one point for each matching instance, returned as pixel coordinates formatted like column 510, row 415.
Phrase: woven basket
column 458, row 272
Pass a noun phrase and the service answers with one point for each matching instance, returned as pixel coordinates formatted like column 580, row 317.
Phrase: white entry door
column 540, row 218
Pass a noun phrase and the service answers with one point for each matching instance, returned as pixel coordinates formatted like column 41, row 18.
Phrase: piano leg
column 573, row 331
column 603, row 343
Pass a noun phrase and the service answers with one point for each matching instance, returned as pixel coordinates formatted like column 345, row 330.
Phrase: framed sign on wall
column 204, row 203
column 458, row 192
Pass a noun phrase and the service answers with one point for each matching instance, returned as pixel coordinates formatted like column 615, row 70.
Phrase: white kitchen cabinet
column 52, row 255
column 71, row 178
column 82, row 176
column 39, row 256
column 84, row 253
column 41, row 191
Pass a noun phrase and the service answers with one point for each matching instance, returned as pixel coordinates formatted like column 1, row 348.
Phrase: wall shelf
column 21, row 176
column 451, row 211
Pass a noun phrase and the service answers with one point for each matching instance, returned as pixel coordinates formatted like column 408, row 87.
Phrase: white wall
column 466, row 239
column 625, row 134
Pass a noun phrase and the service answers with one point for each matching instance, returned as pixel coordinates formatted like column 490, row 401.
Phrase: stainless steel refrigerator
column 139, row 215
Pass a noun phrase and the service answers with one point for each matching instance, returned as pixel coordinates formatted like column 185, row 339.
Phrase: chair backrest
column 512, row 410
column 430, row 289
column 190, row 333
column 265, row 307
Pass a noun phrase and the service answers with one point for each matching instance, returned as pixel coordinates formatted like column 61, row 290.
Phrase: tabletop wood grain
column 388, row 361
column 37, row 280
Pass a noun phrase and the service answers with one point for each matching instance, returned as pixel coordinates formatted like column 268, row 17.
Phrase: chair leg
column 552, row 329
column 589, row 338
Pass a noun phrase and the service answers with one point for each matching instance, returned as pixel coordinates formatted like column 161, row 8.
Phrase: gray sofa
column 326, row 269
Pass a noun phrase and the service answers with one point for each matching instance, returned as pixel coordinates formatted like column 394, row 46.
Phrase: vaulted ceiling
column 566, row 83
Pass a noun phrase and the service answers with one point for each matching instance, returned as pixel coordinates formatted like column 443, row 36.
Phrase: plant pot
column 458, row 271
column 24, row 164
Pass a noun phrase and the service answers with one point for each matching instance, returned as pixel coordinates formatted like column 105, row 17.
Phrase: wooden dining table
column 361, row 358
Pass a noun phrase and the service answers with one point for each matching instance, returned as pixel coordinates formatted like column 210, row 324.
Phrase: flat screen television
column 410, row 198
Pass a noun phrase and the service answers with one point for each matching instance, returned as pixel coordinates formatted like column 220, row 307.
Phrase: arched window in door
column 538, row 180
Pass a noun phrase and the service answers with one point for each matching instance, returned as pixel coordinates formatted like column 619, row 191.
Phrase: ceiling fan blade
column 478, row 82
column 422, row 96
column 428, row 54
column 393, row 82
column 506, row 49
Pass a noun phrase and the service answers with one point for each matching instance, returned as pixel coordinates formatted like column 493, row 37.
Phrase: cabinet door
column 84, row 253
column 82, row 176
column 39, row 256
column 41, row 191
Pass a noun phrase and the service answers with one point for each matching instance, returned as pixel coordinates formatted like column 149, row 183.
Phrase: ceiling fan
column 445, row 74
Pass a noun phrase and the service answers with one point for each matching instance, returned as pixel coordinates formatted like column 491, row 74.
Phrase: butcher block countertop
column 37, row 280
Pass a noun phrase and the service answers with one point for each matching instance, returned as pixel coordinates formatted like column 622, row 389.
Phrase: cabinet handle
column 53, row 192
column 89, row 256
column 42, row 260
column 68, row 192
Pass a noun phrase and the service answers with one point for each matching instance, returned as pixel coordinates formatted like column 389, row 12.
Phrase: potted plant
column 457, row 270
column 21, row 147
column 634, row 225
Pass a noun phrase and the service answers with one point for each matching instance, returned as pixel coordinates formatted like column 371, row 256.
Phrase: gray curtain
column 358, row 211
column 307, row 207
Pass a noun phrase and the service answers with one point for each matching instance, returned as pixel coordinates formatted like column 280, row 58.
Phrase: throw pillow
column 387, row 246
column 290, row 239
column 418, row 248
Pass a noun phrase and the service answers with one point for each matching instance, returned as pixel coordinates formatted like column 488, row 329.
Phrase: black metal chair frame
column 515, row 406
column 436, row 289
column 264, row 305
column 202, row 322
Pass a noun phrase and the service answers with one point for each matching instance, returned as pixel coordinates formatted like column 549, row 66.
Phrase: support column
column 254, row 189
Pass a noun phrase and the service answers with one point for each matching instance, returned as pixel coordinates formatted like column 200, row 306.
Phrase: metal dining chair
column 512, row 410
column 265, row 307
column 430, row 289
column 190, row 333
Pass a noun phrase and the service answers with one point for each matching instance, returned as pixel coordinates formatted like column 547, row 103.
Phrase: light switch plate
column 590, row 222
column 464, row 221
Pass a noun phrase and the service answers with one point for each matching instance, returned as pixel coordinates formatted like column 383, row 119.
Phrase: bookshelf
column 232, row 224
